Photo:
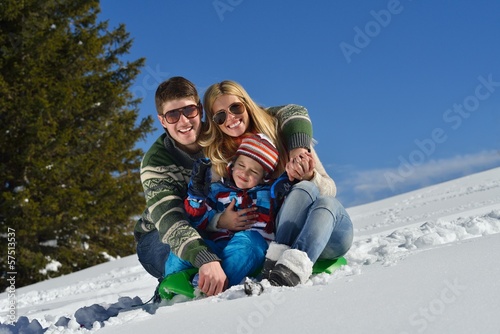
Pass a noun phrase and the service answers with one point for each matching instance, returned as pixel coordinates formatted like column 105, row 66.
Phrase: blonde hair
column 220, row 147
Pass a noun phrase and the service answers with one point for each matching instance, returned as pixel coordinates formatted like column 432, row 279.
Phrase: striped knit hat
column 260, row 148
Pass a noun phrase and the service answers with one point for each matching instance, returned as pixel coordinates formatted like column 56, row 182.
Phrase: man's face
column 186, row 130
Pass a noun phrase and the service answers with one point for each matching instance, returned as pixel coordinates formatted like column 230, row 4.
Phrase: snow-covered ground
column 423, row 262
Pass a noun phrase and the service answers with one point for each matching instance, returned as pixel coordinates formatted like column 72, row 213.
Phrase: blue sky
column 402, row 94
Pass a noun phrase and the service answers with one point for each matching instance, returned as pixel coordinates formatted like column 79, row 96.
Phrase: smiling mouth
column 185, row 130
column 242, row 179
column 232, row 126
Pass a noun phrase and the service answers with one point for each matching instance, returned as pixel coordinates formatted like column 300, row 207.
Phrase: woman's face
column 235, row 125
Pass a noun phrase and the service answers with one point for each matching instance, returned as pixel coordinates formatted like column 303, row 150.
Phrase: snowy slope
column 425, row 261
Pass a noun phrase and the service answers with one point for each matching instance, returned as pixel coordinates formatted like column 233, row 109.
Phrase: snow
column 422, row 262
column 53, row 265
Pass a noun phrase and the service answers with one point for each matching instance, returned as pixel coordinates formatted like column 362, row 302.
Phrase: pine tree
column 69, row 167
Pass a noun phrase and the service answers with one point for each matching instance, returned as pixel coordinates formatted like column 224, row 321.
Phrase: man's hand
column 237, row 220
column 212, row 279
column 301, row 165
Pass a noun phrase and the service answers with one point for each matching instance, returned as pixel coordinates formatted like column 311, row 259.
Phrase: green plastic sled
column 328, row 266
column 178, row 284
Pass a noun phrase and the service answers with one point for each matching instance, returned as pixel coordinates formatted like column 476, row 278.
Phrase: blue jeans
column 313, row 223
column 241, row 255
column 152, row 253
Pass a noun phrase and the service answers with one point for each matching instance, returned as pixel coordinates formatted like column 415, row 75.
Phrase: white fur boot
column 292, row 268
column 273, row 253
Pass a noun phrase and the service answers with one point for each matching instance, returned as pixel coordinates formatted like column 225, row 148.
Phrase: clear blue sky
column 402, row 94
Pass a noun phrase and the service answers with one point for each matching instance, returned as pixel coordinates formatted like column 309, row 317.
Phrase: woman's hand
column 237, row 220
column 301, row 165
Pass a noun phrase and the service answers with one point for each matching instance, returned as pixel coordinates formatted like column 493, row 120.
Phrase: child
column 247, row 186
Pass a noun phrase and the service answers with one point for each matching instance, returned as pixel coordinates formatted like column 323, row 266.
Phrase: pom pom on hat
column 260, row 148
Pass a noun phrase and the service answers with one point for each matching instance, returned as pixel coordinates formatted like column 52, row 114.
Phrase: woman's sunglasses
column 236, row 108
column 190, row 111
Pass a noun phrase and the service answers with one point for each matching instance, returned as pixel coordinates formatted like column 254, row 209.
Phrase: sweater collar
column 182, row 157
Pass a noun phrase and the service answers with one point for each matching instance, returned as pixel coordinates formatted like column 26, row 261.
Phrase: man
column 165, row 172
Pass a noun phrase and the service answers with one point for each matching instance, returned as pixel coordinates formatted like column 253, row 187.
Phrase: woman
column 311, row 223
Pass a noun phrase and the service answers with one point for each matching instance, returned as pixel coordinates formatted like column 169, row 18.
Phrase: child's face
column 247, row 173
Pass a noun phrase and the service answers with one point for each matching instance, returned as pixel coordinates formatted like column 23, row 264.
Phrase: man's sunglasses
column 236, row 108
column 190, row 111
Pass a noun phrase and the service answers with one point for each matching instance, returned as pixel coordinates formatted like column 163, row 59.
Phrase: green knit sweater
column 165, row 172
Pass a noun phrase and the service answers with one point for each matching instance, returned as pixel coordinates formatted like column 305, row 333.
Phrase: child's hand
column 237, row 220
